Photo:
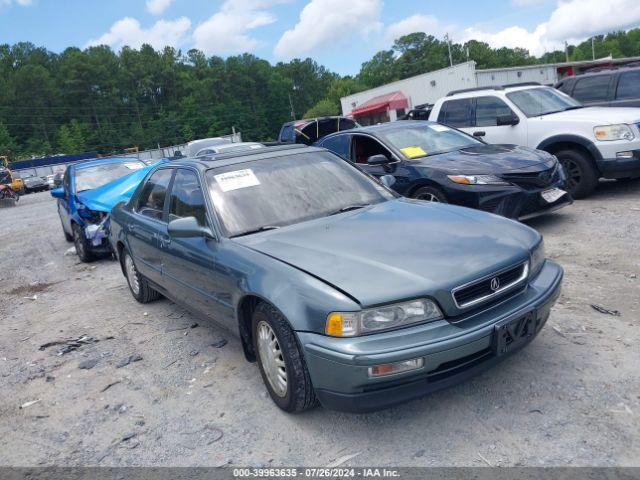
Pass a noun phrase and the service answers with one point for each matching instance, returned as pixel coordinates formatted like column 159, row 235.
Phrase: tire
column 83, row 249
column 582, row 176
column 270, row 328
column 138, row 285
column 67, row 237
column 429, row 194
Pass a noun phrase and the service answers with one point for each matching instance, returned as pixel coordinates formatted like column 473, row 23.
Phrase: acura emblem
column 495, row 284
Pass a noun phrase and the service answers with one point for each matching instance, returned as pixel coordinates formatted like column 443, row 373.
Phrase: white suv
column 590, row 142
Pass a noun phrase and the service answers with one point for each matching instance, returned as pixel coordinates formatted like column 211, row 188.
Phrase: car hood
column 399, row 249
column 596, row 115
column 489, row 159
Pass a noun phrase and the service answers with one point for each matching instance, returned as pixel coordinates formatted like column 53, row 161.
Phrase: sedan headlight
column 477, row 179
column 538, row 257
column 613, row 132
column 349, row 324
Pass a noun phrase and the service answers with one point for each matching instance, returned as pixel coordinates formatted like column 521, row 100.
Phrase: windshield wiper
column 264, row 228
column 349, row 208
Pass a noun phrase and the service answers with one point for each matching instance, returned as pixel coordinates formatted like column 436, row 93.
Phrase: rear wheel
column 83, row 249
column 139, row 286
column 280, row 360
column 430, row 194
column 582, row 176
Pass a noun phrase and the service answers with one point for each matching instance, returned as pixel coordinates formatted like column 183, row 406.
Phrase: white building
column 388, row 102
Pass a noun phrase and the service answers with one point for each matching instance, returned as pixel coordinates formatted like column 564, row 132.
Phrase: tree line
column 98, row 99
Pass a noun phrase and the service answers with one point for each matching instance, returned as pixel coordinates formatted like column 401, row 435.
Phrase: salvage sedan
column 437, row 163
column 341, row 290
column 81, row 224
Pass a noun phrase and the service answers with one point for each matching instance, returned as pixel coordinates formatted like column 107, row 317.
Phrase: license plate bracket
column 551, row 195
column 511, row 334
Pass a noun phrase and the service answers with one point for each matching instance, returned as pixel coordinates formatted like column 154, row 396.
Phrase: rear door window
column 186, row 198
column 629, row 85
column 152, row 198
column 592, row 89
column 338, row 144
column 456, row 113
column 488, row 109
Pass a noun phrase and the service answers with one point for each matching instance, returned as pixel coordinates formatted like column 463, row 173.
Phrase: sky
column 339, row 34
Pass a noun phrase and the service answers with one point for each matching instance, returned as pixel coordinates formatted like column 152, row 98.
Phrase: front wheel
column 83, row 249
column 281, row 362
column 430, row 194
column 582, row 176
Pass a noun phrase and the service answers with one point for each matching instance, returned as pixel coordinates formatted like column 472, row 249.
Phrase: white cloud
column 415, row 23
column 129, row 32
column 572, row 20
column 527, row 3
column 22, row 3
column 227, row 31
column 580, row 19
column 157, row 7
column 328, row 23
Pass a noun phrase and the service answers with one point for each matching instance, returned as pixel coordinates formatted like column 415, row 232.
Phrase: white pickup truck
column 590, row 142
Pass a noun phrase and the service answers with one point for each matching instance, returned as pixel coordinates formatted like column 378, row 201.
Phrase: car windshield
column 275, row 192
column 542, row 101
column 88, row 178
column 423, row 140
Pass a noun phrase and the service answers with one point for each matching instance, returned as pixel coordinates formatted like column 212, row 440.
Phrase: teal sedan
column 341, row 291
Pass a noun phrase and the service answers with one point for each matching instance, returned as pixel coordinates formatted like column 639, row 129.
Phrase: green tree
column 323, row 108
column 8, row 144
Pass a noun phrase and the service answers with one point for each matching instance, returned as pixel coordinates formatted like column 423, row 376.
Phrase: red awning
column 381, row 103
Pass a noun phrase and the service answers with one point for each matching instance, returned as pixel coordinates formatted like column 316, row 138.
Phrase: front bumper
column 511, row 201
column 452, row 352
column 620, row 167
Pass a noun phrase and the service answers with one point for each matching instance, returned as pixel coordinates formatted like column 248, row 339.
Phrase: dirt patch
column 32, row 289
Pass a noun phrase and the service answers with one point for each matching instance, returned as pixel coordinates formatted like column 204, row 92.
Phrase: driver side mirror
column 188, row 227
column 378, row 159
column 58, row 193
column 507, row 119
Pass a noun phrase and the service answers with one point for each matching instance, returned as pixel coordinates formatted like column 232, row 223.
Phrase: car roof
column 104, row 161
column 233, row 158
column 384, row 127
column 476, row 91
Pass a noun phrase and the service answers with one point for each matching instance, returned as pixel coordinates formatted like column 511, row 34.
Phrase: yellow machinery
column 8, row 178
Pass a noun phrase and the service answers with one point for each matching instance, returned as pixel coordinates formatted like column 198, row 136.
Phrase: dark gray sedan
column 341, row 290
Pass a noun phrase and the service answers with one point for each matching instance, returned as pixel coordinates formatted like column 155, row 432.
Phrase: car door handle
column 479, row 133
column 164, row 240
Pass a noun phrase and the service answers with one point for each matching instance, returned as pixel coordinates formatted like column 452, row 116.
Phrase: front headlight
column 349, row 324
column 477, row 179
column 538, row 257
column 613, row 132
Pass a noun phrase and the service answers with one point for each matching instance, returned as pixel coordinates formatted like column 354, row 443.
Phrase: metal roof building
column 388, row 102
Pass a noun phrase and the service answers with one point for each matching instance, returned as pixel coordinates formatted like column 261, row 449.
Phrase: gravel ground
column 572, row 397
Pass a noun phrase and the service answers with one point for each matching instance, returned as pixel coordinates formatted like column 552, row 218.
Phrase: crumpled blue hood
column 103, row 199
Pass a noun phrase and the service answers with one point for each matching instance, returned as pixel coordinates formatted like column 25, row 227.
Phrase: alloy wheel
column 573, row 172
column 132, row 274
column 271, row 359
column 429, row 197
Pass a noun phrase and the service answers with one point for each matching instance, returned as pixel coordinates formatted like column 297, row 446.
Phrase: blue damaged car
column 342, row 291
column 82, row 218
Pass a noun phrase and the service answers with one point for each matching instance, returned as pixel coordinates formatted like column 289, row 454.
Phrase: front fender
column 303, row 299
column 577, row 139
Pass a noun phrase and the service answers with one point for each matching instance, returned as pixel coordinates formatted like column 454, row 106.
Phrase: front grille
column 485, row 289
column 534, row 180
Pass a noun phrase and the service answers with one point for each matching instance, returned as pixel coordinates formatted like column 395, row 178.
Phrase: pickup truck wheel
column 280, row 360
column 83, row 249
column 582, row 177
column 430, row 194
column 139, row 286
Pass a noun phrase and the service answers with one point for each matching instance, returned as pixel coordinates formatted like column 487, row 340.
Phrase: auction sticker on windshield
column 237, row 179
column 411, row 152
column 439, row 128
column 133, row 165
